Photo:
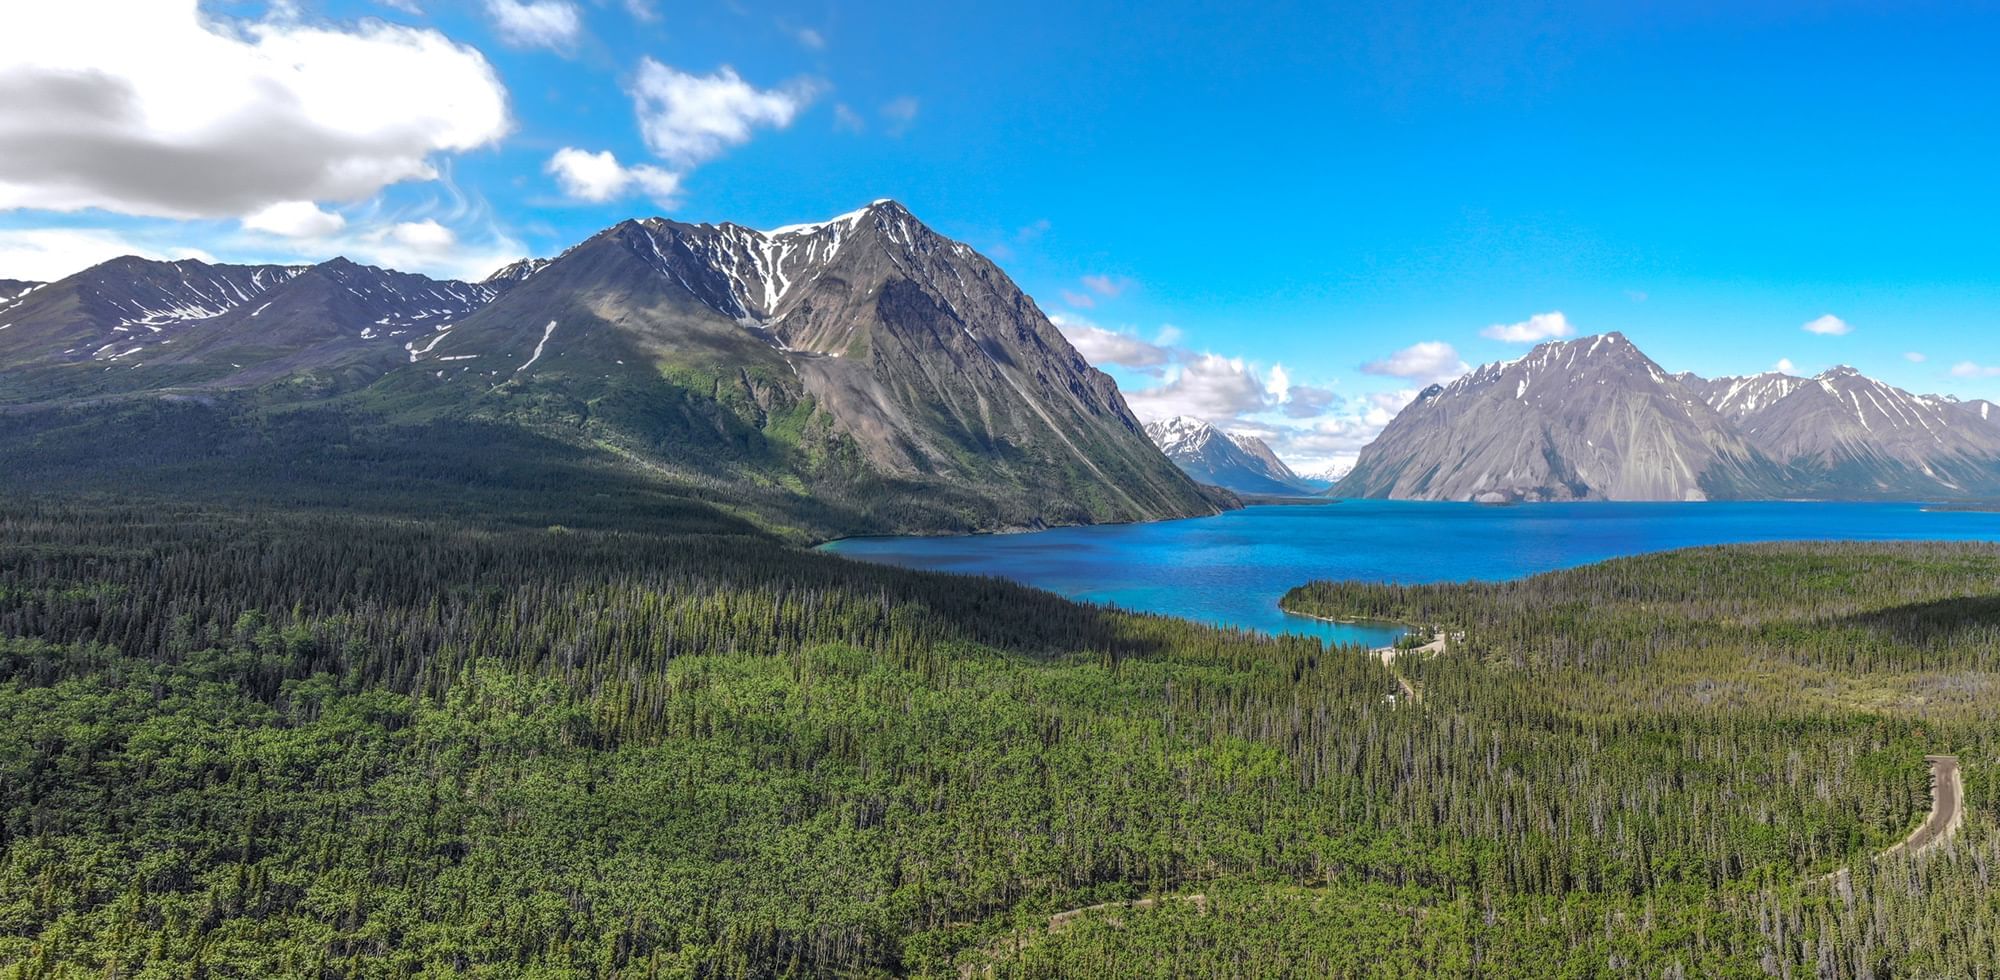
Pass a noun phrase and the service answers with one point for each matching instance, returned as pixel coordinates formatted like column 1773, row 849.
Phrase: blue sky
column 1285, row 218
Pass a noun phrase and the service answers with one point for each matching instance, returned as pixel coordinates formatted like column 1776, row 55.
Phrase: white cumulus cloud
column 599, row 176
column 687, row 119
column 1827, row 325
column 422, row 236
column 148, row 107
column 1533, row 330
column 48, row 254
column 1206, row 386
column 295, row 219
column 1312, row 427
column 1111, row 348
column 1431, row 361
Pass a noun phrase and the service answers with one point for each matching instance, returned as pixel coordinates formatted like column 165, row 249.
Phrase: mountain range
column 864, row 369
column 1595, row 418
column 859, row 374
column 1235, row 461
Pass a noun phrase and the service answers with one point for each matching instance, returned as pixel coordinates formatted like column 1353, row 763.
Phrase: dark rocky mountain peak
column 908, row 351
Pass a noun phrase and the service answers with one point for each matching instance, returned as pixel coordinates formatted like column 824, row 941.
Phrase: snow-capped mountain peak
column 1596, row 418
column 1181, row 435
column 1238, row 461
column 515, row 272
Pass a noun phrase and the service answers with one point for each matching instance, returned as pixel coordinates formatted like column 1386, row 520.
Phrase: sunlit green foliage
column 324, row 745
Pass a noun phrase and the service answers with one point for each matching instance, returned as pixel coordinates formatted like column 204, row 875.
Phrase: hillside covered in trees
column 320, row 744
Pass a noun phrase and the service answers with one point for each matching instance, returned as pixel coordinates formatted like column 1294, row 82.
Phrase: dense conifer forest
column 321, row 743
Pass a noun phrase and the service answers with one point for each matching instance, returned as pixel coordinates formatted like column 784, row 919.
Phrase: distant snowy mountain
column 1851, row 434
column 1325, row 478
column 1594, row 418
column 1234, row 461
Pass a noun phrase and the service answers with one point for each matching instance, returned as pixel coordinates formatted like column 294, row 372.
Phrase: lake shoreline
column 1233, row 569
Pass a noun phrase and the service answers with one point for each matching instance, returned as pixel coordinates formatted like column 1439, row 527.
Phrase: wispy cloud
column 552, row 24
column 1108, row 286
column 1969, row 369
column 899, row 114
column 1094, row 286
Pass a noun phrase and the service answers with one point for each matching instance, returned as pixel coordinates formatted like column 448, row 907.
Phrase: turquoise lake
column 1231, row 570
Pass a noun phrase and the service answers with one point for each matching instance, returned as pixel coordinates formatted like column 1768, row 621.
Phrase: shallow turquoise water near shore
column 1231, row 569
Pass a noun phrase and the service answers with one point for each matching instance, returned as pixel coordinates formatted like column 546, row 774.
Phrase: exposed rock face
column 117, row 309
column 868, row 335
column 1235, row 461
column 1738, row 398
column 1596, row 419
column 1586, row 419
column 137, row 310
column 513, row 274
column 865, row 366
column 1845, row 434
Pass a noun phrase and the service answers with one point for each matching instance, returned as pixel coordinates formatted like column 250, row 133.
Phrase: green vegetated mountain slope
column 862, row 374
column 318, row 745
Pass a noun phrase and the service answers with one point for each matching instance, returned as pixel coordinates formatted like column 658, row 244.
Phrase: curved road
column 1947, row 807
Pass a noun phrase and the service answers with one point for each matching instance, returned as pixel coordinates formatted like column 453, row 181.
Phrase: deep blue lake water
column 1232, row 569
